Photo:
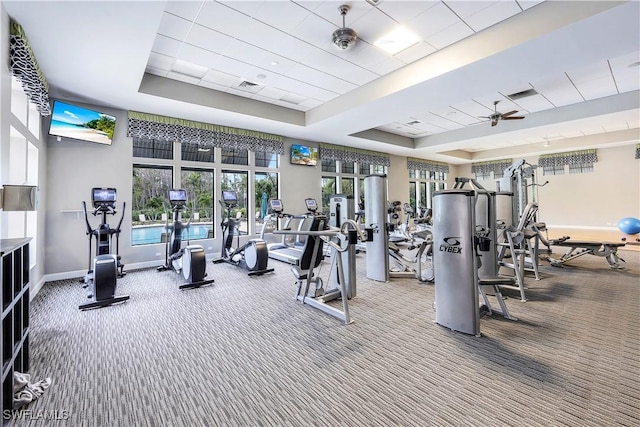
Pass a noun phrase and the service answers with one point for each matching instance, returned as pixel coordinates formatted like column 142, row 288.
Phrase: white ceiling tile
column 467, row 8
column 198, row 56
column 312, row 29
column 238, row 92
column 374, row 25
column 559, row 91
column 184, row 9
column 473, row 108
column 224, row 19
column 188, row 68
column 533, row 103
column 293, row 98
column 183, row 78
column 404, row 11
column 174, row 26
column 231, row 66
column 456, row 116
column 272, row 92
column 415, row 52
column 206, row 38
column 246, row 7
column 597, row 88
column 526, row 4
column 220, row 78
column 388, row 65
column 293, row 48
column 261, row 35
column 281, row 14
column 452, row 34
column 311, row 103
column 494, row 13
column 365, row 55
column 166, row 45
column 433, row 21
column 330, row 11
column 628, row 83
column 161, row 62
column 626, row 75
column 442, row 122
column 590, row 72
column 615, row 126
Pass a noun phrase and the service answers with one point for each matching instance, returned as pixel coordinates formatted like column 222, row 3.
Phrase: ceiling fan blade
column 513, row 118
column 509, row 113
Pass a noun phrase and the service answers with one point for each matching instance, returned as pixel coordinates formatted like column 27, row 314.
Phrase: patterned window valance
column 161, row 128
column 24, row 67
column 571, row 158
column 495, row 166
column 350, row 154
column 427, row 165
column 637, row 151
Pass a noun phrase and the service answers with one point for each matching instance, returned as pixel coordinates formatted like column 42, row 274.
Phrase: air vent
column 247, row 84
column 414, row 122
column 523, row 94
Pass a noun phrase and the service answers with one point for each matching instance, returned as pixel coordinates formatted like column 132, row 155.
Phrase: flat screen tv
column 303, row 155
column 72, row 121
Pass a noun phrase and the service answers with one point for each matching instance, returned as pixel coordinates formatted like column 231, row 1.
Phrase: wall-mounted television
column 72, row 121
column 304, row 155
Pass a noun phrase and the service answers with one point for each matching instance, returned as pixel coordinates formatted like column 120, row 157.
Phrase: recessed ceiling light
column 397, row 40
column 261, row 76
column 274, row 63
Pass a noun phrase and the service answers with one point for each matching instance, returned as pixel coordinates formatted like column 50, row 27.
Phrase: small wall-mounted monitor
column 230, row 196
column 75, row 122
column 275, row 205
column 103, row 197
column 304, row 155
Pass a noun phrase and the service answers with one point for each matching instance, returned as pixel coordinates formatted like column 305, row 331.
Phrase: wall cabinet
column 14, row 335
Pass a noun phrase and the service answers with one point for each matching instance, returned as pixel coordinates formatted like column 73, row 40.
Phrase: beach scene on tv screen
column 302, row 155
column 75, row 122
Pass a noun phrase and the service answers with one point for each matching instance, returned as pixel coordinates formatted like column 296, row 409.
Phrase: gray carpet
column 242, row 352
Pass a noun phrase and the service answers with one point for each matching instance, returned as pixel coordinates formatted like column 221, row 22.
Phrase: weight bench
column 578, row 248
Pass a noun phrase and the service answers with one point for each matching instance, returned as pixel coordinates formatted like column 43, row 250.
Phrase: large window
column 265, row 189
column 238, row 181
column 328, row 190
column 196, row 153
column 150, row 203
column 199, row 185
column 266, row 160
column 422, row 185
column 234, row 156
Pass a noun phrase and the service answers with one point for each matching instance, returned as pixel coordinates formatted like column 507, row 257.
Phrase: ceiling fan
column 495, row 117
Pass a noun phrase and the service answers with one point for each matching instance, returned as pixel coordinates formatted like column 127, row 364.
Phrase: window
column 150, row 203
column 581, row 168
column 483, row 175
column 328, row 165
column 235, row 156
column 193, row 152
column 379, row 169
column 238, row 181
column 266, row 160
column 421, row 189
column 266, row 188
column 199, row 185
column 328, row 190
column 347, row 167
column 364, row 168
column 346, row 186
column 152, row 149
column 553, row 170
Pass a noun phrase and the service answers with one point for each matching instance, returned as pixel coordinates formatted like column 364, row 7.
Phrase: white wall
column 597, row 200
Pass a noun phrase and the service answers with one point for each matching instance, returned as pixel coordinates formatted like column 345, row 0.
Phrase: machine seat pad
column 300, row 274
column 585, row 243
column 496, row 281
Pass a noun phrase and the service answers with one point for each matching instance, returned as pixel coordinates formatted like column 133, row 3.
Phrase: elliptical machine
column 189, row 261
column 106, row 267
column 253, row 255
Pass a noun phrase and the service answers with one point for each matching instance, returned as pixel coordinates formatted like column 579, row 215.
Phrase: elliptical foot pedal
column 104, row 302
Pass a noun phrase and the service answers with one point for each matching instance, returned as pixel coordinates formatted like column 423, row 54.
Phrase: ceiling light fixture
column 344, row 37
column 397, row 40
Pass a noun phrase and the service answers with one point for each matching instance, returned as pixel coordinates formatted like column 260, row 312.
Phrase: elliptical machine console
column 105, row 268
column 253, row 255
column 189, row 261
